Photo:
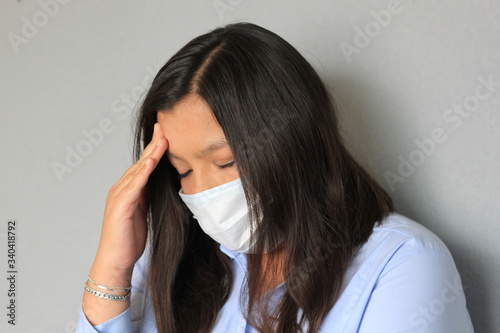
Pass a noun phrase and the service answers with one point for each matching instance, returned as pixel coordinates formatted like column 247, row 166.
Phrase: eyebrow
column 213, row 146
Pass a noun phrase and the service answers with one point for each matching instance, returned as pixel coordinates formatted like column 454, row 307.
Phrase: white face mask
column 222, row 213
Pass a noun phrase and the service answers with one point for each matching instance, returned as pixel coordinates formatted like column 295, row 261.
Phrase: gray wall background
column 411, row 92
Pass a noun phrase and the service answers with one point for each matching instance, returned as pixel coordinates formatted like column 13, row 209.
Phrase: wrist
column 107, row 275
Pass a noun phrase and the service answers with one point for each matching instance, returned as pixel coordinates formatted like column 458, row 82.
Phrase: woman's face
column 197, row 146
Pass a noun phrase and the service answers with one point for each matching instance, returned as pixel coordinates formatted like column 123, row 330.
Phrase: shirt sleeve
column 418, row 291
column 120, row 323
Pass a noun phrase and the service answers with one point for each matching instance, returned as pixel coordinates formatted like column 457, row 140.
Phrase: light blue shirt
column 403, row 279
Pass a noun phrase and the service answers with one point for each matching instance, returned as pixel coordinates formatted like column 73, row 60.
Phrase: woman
column 257, row 217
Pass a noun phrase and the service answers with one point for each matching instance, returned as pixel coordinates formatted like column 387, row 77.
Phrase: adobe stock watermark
column 454, row 116
column 363, row 37
column 31, row 27
column 122, row 108
column 425, row 315
column 223, row 6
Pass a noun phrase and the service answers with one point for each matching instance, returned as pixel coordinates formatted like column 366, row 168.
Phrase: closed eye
column 185, row 174
column 230, row 164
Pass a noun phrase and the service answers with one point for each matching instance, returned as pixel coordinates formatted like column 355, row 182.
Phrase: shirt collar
column 238, row 257
column 231, row 254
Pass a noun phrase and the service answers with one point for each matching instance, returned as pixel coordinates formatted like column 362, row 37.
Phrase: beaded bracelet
column 123, row 289
column 100, row 294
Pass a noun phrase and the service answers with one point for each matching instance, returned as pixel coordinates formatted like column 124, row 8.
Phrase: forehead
column 189, row 125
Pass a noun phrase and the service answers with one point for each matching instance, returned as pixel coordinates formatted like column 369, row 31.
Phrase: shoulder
column 399, row 229
column 397, row 239
column 400, row 247
column 398, row 236
column 403, row 269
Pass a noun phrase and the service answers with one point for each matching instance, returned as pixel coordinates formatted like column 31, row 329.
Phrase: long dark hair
column 317, row 204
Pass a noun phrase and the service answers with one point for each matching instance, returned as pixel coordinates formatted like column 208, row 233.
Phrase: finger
column 125, row 196
column 157, row 135
column 137, row 170
column 151, row 144
column 159, row 149
column 131, row 192
column 151, row 150
column 156, row 153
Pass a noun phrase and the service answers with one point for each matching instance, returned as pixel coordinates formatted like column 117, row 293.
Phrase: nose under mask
column 222, row 213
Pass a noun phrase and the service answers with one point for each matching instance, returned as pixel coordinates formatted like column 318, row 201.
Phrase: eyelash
column 185, row 174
